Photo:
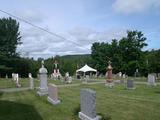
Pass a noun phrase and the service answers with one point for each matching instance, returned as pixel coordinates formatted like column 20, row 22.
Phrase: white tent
column 86, row 68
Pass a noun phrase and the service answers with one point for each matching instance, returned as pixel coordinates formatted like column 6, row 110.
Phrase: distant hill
column 76, row 56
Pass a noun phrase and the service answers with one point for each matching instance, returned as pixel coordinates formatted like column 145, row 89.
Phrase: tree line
column 126, row 54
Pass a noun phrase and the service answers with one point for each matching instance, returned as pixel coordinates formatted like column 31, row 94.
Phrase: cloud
column 135, row 6
column 31, row 16
column 37, row 43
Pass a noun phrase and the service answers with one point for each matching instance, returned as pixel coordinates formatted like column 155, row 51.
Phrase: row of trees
column 126, row 55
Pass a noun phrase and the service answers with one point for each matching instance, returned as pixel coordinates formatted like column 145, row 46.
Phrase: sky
column 81, row 23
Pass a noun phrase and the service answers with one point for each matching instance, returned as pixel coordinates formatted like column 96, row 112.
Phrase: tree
column 131, row 50
column 9, row 39
column 100, row 53
column 9, row 36
column 153, row 61
column 126, row 54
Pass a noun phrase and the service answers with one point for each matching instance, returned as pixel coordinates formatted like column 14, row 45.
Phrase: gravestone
column 31, row 81
column 66, row 78
column 53, row 94
column 109, row 81
column 124, row 76
column 88, row 105
column 6, row 76
column 130, row 84
column 120, row 74
column 151, row 80
column 15, row 77
column 43, row 89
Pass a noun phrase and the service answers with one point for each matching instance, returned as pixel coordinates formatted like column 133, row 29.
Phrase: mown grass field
column 118, row 103
column 9, row 83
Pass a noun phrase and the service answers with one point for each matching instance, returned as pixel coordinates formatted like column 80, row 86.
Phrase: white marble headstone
column 31, row 81
column 43, row 89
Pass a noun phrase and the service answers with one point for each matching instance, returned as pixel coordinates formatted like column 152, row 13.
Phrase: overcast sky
column 83, row 22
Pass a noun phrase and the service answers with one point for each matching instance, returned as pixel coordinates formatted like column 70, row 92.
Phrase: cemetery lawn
column 143, row 103
column 9, row 83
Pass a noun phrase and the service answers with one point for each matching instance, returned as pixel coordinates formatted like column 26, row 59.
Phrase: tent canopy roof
column 86, row 68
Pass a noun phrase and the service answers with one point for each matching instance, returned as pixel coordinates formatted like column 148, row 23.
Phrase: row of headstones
column 87, row 97
column 151, row 82
column 88, row 100
column 15, row 78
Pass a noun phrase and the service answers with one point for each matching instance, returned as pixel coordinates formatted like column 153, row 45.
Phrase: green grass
column 143, row 103
column 9, row 83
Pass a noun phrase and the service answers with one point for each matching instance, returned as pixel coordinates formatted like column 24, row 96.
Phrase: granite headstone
column 88, row 105
column 53, row 94
column 130, row 84
column 151, row 80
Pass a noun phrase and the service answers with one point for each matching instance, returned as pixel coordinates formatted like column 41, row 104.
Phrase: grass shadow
column 17, row 111
column 158, row 92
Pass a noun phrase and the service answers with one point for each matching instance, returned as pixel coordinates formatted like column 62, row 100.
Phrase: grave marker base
column 54, row 102
column 42, row 92
column 82, row 116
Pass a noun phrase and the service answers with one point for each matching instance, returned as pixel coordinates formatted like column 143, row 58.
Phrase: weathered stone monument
column 56, row 73
column 109, row 81
column 151, row 80
column 31, row 82
column 53, row 94
column 88, row 105
column 130, row 84
column 43, row 89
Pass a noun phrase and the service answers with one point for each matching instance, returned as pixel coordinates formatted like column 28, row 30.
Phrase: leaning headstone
column 53, row 94
column 151, row 80
column 43, row 89
column 31, row 81
column 130, row 84
column 88, row 105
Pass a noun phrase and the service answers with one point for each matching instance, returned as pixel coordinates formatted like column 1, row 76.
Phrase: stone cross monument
column 56, row 74
column 43, row 89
